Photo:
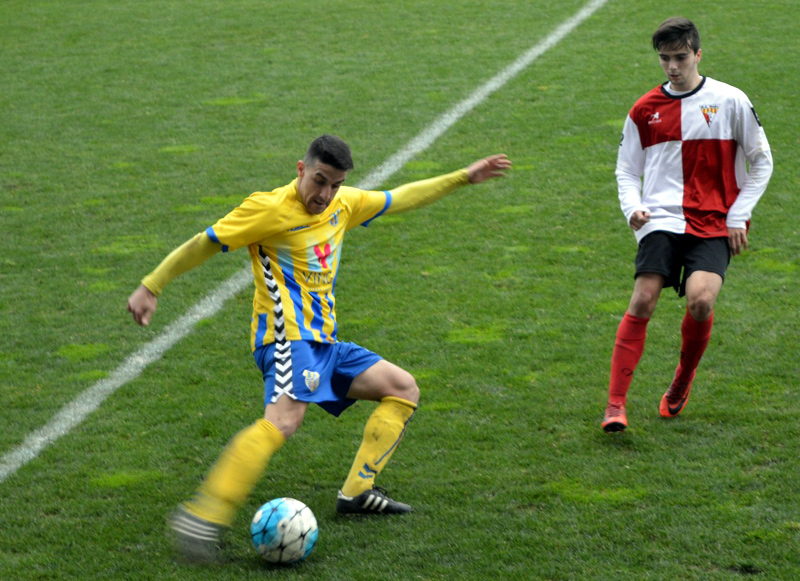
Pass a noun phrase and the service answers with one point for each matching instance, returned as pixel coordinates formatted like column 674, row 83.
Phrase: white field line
column 88, row 401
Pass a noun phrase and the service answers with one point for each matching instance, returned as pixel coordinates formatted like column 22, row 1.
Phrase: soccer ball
column 284, row 531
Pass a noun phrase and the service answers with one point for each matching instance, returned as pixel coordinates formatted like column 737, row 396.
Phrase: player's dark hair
column 330, row 150
column 675, row 33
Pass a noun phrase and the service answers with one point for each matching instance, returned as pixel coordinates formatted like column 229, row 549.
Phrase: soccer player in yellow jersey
column 294, row 235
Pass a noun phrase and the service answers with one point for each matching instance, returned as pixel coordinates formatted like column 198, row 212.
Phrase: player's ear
column 301, row 166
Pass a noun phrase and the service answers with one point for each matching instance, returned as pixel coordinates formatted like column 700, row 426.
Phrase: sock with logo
column 695, row 336
column 628, row 349
column 382, row 434
column 235, row 473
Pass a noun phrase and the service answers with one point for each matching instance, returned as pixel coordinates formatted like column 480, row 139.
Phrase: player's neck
column 686, row 87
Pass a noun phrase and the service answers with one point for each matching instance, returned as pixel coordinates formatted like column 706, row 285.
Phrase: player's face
column 680, row 66
column 317, row 184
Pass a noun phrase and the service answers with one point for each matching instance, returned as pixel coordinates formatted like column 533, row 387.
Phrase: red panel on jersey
column 658, row 118
column 710, row 186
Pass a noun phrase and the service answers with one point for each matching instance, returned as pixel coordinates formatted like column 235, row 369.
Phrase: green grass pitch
column 127, row 127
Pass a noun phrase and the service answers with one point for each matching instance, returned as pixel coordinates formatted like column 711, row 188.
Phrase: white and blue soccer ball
column 284, row 530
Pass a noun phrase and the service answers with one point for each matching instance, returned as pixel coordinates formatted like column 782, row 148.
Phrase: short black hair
column 675, row 33
column 330, row 150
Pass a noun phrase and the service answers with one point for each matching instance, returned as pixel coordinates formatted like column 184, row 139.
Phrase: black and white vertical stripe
column 283, row 352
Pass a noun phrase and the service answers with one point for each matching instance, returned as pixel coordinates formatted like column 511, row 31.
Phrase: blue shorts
column 313, row 372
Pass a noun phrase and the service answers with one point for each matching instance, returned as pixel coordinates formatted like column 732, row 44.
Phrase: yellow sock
column 382, row 434
column 235, row 473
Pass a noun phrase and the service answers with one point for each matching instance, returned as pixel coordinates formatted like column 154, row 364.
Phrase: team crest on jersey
column 312, row 379
column 709, row 112
column 323, row 252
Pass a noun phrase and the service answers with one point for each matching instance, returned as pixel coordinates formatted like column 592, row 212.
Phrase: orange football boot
column 615, row 419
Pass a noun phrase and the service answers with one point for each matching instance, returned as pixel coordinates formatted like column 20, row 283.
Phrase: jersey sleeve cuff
column 151, row 285
column 213, row 236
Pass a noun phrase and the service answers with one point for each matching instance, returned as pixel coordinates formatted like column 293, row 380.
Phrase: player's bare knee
column 701, row 307
column 643, row 304
column 287, row 426
column 406, row 387
column 287, row 419
column 413, row 392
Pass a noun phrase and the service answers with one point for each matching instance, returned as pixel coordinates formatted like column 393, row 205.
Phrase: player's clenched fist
column 142, row 305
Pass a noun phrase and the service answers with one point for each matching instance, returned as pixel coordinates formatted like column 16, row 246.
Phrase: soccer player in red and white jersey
column 692, row 164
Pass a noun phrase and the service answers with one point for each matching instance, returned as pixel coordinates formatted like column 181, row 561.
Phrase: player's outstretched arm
column 142, row 303
column 424, row 192
column 487, row 168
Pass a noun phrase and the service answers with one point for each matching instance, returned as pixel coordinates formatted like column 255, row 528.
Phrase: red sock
column 628, row 349
column 695, row 336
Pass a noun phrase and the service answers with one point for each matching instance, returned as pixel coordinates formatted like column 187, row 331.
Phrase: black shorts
column 676, row 256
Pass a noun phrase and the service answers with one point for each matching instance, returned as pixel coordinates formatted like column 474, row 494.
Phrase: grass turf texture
column 126, row 128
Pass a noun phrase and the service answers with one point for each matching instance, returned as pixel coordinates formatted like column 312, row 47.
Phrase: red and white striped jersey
column 693, row 151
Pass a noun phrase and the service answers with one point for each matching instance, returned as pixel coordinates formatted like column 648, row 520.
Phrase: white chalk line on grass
column 88, row 401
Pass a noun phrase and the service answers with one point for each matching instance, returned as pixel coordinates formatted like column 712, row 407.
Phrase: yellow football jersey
column 295, row 257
